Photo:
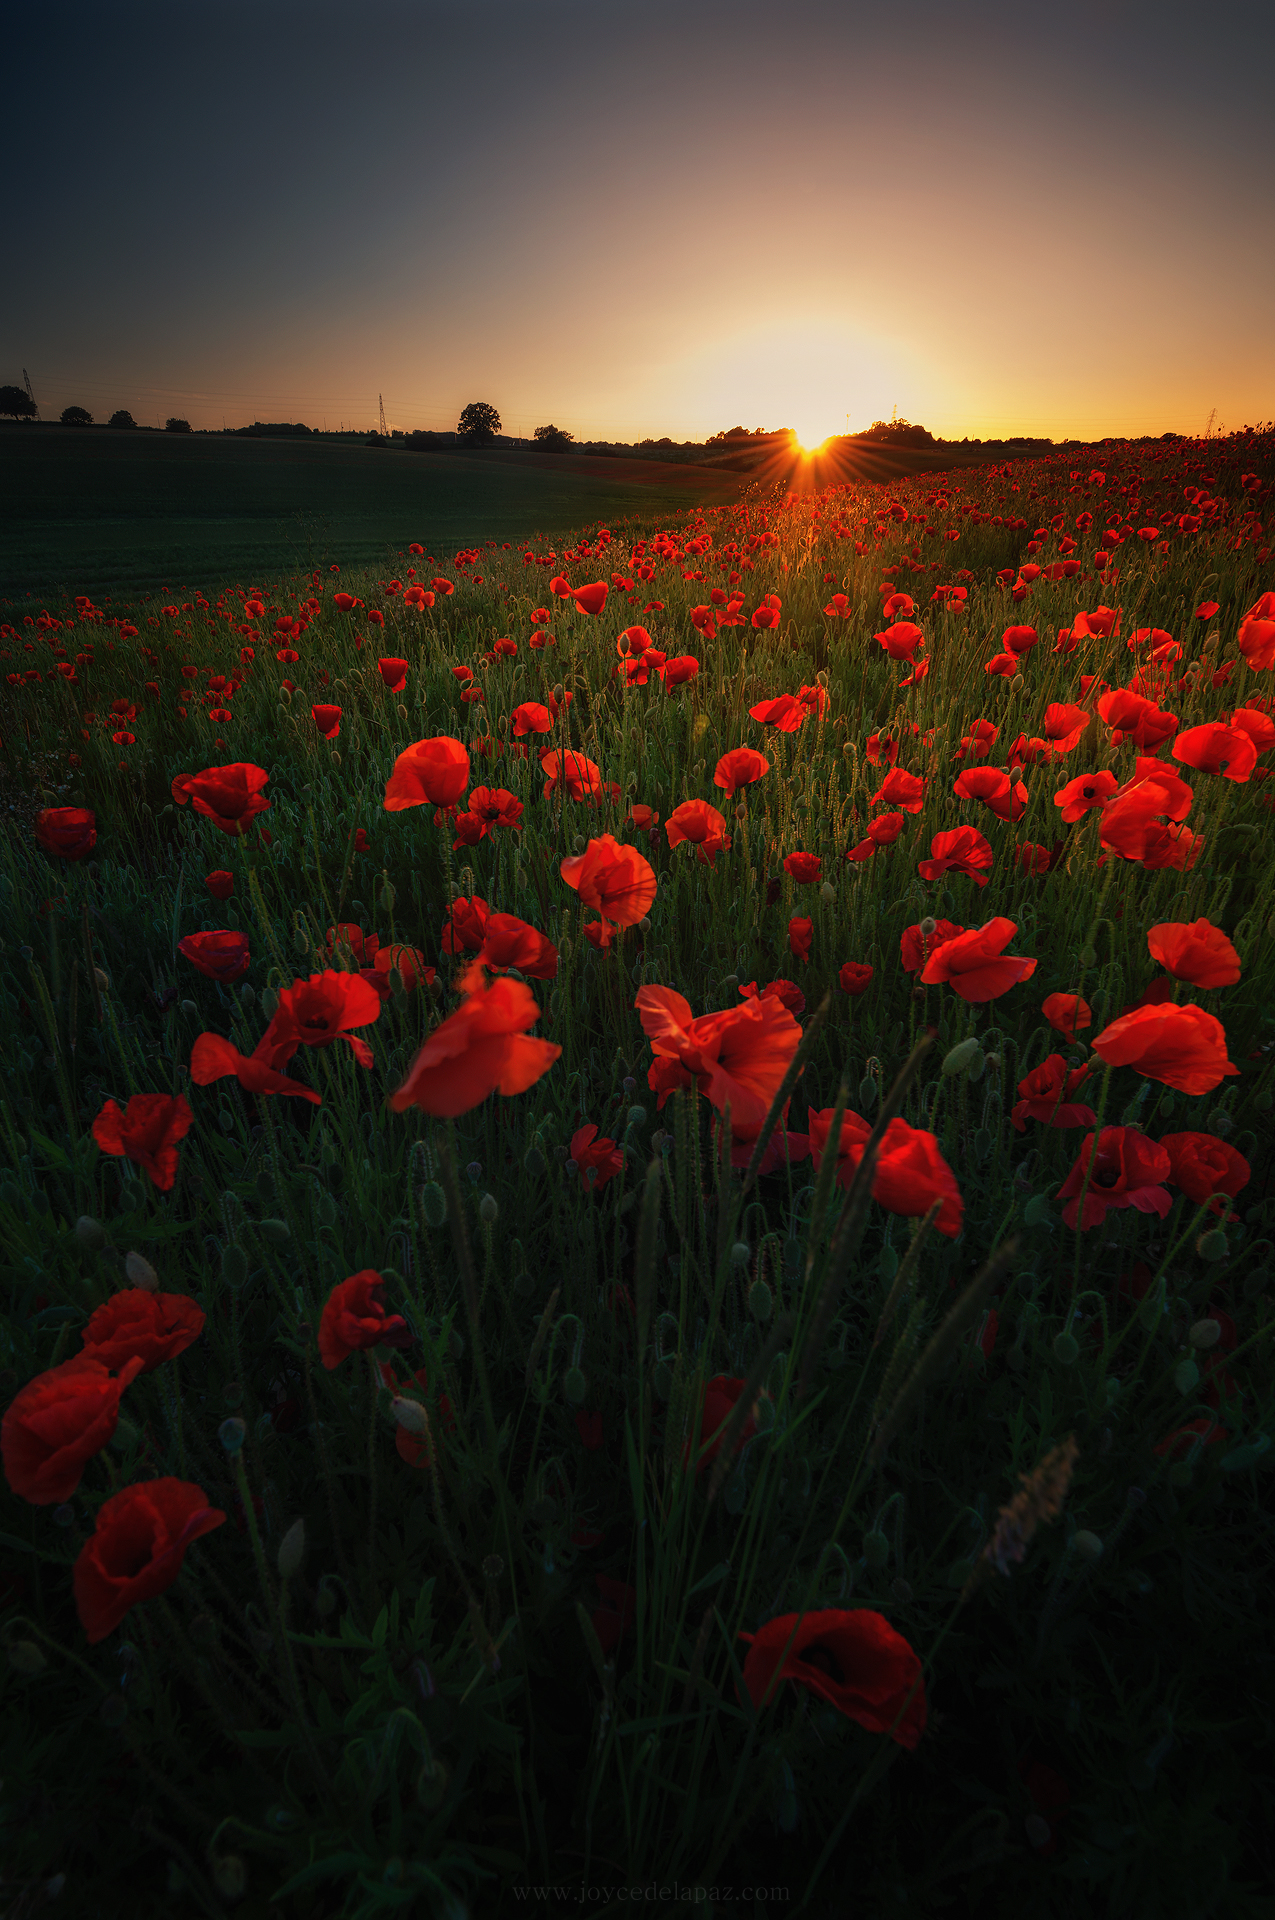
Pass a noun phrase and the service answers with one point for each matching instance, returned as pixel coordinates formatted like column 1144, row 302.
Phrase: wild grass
column 419, row 1702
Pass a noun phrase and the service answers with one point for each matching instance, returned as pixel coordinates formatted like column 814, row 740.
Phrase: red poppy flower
column 1066, row 1013
column 510, row 942
column 1196, row 951
column 854, row 1660
column 896, row 605
column 1018, row 640
column 839, row 608
column 1127, row 1172
column 465, row 928
column 1230, row 751
column 1180, row 1442
column 531, row 717
column 678, row 671
column 354, row 1319
column 739, row 768
column 590, row 599
column 915, row 947
column 596, row 1155
column 975, row 964
column 1064, row 726
column 230, row 797
column 57, row 1422
column 911, row 1173
column 784, row 714
column 644, row 818
column 580, row 777
column 220, row 884
column 978, row 741
column 69, row 832
column 138, row 1324
column 432, row 772
column 736, row 1057
column 1202, row 1165
column 805, row 868
column 613, row 878
column 962, row 850
column 720, row 1397
column 1086, row 791
column 146, row 1132
column 1256, row 641
column 212, row 1058
column 787, row 992
column 481, row 1048
column 767, row 615
column 1258, row 725
column 1007, row 799
column 393, row 672
column 1182, row 1047
column 418, row 598
column 900, row 640
column 346, row 602
column 496, row 807
column 1045, row 1095
column 800, row 934
column 901, row 789
column 137, row 1548
column 854, row 978
column 361, row 842
column 410, row 962
column 219, row 956
column 317, row 1011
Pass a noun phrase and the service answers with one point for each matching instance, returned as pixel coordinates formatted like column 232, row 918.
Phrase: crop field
column 110, row 512
column 636, row 1210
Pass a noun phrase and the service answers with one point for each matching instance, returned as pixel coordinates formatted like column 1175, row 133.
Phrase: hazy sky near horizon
column 643, row 220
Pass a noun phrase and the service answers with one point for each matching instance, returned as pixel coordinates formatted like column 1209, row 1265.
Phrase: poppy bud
column 1212, row 1246
column 189, row 1008
column 230, row 1876
column 26, row 1658
column 285, row 696
column 1087, row 1545
column 828, row 893
column 960, row 1057
column 741, row 813
column 103, row 979
column 301, row 942
column 1205, row 1334
column 1186, row 1377
column 575, row 1386
column 929, row 927
column 1066, row 1349
column 335, row 757
column 231, row 1433
column 644, row 925
column 876, row 1548
column 760, row 1301
column 276, row 1233
column 90, row 1233
column 140, row 1273
column 901, row 1591
column 388, row 897
column 431, row 1785
column 269, row 1002
column 411, row 1416
column 1088, row 958
column 534, row 1163
column 488, row 1209
column 434, row 1204
column 867, row 1093
column 291, row 1551
column 1038, row 1830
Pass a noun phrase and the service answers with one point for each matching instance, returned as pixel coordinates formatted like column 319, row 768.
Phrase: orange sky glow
column 639, row 222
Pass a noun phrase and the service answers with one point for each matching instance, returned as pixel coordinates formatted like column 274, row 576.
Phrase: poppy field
column 637, row 1215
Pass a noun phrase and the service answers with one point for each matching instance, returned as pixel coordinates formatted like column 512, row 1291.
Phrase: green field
column 100, row 512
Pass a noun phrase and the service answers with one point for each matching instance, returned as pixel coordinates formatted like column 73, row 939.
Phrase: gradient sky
column 647, row 219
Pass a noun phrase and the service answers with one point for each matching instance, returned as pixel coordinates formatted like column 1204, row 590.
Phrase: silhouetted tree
column 76, row 417
column 17, row 403
column 555, row 437
column 898, row 433
column 173, row 425
column 479, row 423
column 122, row 418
